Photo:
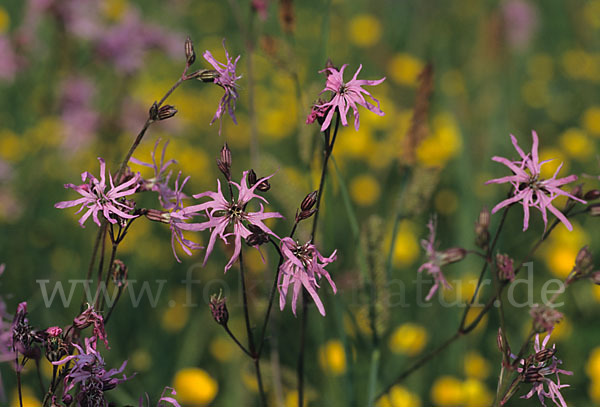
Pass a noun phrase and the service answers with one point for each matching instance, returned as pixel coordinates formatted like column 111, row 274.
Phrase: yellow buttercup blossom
column 399, row 396
column 365, row 190
column 447, row 392
column 560, row 260
column 222, row 348
column 476, row 366
column 365, row 30
column 594, row 391
column 404, row 69
column 591, row 120
column 332, row 357
column 592, row 367
column 476, row 394
column 557, row 157
column 576, row 143
column 444, row 143
column 114, row 9
column 409, row 339
column 195, row 387
column 4, row 20
column 406, row 247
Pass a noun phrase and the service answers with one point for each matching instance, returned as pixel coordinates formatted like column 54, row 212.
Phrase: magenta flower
column 301, row 267
column 435, row 261
column 227, row 80
column 529, row 189
column 95, row 199
column 163, row 398
column 221, row 213
column 539, row 368
column 92, row 317
column 347, row 95
column 160, row 182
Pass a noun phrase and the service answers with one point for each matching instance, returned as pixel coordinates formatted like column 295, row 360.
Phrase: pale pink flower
column 539, row 369
column 160, row 182
column 528, row 187
column 227, row 80
column 301, row 267
column 347, row 95
column 222, row 213
column 434, row 261
column 95, row 199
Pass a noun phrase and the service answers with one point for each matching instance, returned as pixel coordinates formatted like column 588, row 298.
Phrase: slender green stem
column 271, row 299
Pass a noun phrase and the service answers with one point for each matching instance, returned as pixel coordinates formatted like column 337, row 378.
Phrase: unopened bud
column 218, row 307
column 505, row 265
column 158, row 216
column 592, row 195
column 482, row 234
column 452, row 255
column 119, row 273
column 503, row 347
column 301, row 215
column 594, row 209
column 257, row 236
column 533, row 375
column 207, row 75
column 224, row 162
column 67, row 399
column 577, row 191
column 56, row 348
column 329, row 64
column 544, row 355
column 263, row 184
column 166, row 112
column 584, row 263
column 190, row 54
column 153, row 112
column 309, row 201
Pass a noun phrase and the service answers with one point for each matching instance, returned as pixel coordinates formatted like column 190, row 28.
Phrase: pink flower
column 160, row 182
column 301, row 267
column 529, row 189
column 347, row 95
column 95, row 199
column 221, row 213
column 539, row 368
column 227, row 80
column 176, row 219
column 435, row 260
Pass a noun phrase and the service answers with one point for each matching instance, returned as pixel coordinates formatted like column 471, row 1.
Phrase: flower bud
column 218, row 308
column 206, row 75
column 190, row 54
column 505, row 264
column 482, row 234
column 257, row 236
column 584, row 261
column 301, row 215
column 67, row 399
column 452, row 255
column 544, row 317
column 224, row 162
column 592, row 195
column 158, row 216
column 577, row 191
column 595, row 277
column 309, row 201
column 594, row 209
column 166, row 112
column 262, row 186
column 119, row 273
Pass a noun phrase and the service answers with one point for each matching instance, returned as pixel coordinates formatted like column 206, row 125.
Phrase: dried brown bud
column 594, row 209
column 482, row 234
column 218, row 307
column 301, row 215
column 263, row 184
column 224, row 162
column 592, row 195
column 584, row 262
column 544, row 318
column 452, row 255
column 119, row 273
column 190, row 54
column 166, row 112
column 309, row 201
column 505, row 265
column 153, row 112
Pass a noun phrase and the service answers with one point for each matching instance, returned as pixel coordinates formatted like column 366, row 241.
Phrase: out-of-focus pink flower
column 163, row 398
column 529, row 189
column 160, row 182
column 347, row 95
column 539, row 368
column 520, row 22
column 222, row 213
column 8, row 60
column 78, row 115
column 227, row 80
column 301, row 267
column 95, row 199
column 261, row 7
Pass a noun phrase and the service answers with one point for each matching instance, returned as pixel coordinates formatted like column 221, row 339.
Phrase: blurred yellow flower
column 114, row 9
column 453, row 83
column 446, row 201
column 141, row 360
column 222, row 348
column 12, row 147
column 476, row 394
column 535, row 92
column 476, row 366
column 592, row 367
column 399, row 396
column 404, row 69
column 291, row 399
column 365, row 30
column 409, row 339
column 557, row 157
column 540, row 66
column 195, row 387
column 594, row 391
column 176, row 315
column 444, row 143
column 596, row 292
column 560, row 260
column 591, row 120
column 591, row 13
column 562, row 330
column 578, row 64
column 28, row 397
column 332, row 357
column 365, row 190
column 474, row 313
column 447, row 392
column 406, row 247
column 4, row 20
column 575, row 143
